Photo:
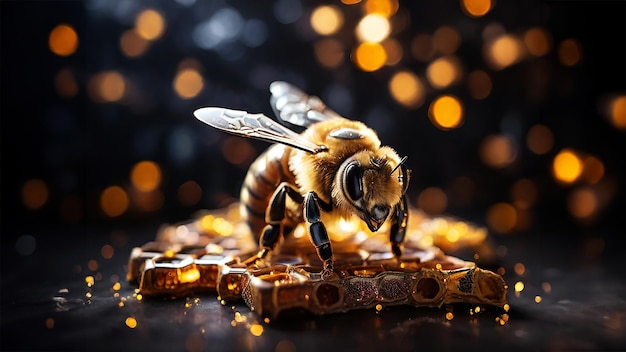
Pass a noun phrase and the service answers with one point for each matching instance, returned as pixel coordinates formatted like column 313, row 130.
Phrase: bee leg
column 398, row 229
column 318, row 233
column 275, row 215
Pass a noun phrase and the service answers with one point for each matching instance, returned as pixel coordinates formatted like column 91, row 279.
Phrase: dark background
column 78, row 146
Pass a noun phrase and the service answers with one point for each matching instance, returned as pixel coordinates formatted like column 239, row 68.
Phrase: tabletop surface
column 50, row 294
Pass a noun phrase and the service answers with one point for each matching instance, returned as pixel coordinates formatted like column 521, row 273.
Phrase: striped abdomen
column 268, row 171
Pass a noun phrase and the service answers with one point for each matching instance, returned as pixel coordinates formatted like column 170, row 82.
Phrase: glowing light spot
column 50, row 323
column 504, row 51
column 617, row 112
column 446, row 40
column 407, row 89
column 479, row 84
column 329, row 52
column 537, row 299
column 150, row 24
column 188, row 83
column 506, row 307
column 222, row 227
column 537, row 41
column 524, row 193
column 65, row 83
column 567, row 166
column 256, row 329
column 432, row 200
column 446, row 112
column 546, row 287
column 189, row 193
column 238, row 151
column 519, row 269
column 570, row 52
column 476, row 8
column 443, row 72
column 449, row 316
column 89, row 280
column 422, row 47
column 539, row 139
column 379, row 307
column 519, row 286
column 498, row 151
column 502, row 217
column 369, row 57
column 373, row 28
column 34, row 194
column 582, row 203
column 381, row 7
column 131, row 322
column 117, row 286
column 145, row 176
column 593, row 170
column 63, row 40
column 326, row 20
column 394, row 51
column 107, row 87
column 132, row 44
column 92, row 265
column 114, row 201
column 107, row 251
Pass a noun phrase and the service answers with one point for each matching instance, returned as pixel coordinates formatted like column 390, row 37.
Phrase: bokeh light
column 326, row 20
column 114, row 201
column 373, row 28
column 369, row 56
column 63, row 40
column 407, row 89
column 537, row 41
column 479, row 84
column 539, row 139
column 188, row 83
column 238, row 151
column 618, row 112
column 593, row 169
column 567, row 166
column 65, row 83
column 498, row 151
column 145, row 176
column 502, row 218
column 446, row 40
column 393, row 50
column 385, row 8
column 446, row 112
column 189, row 193
column 443, row 72
column 132, row 44
column 432, row 200
column 422, row 47
column 524, row 193
column 35, row 194
column 329, row 52
column 150, row 24
column 476, row 8
column 107, row 87
column 570, row 52
column 582, row 203
column 502, row 52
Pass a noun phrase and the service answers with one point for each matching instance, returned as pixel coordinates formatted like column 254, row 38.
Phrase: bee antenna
column 399, row 164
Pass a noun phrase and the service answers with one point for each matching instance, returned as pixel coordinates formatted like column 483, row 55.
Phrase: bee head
column 371, row 184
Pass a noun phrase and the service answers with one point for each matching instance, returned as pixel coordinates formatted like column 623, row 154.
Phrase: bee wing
column 257, row 126
column 292, row 105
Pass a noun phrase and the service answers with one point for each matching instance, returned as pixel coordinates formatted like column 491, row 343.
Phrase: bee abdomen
column 268, row 171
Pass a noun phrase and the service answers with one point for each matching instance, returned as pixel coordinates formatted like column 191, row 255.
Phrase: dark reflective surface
column 47, row 304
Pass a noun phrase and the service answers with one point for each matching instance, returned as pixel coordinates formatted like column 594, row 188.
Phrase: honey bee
column 335, row 169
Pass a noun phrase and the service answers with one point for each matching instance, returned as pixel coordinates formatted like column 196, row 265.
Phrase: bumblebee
column 335, row 169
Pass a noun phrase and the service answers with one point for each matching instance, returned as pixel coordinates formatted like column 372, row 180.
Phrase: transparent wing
column 292, row 105
column 257, row 126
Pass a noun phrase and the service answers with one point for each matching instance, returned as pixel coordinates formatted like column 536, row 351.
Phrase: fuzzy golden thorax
column 324, row 172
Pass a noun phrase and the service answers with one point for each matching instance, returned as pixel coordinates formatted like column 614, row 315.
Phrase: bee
column 335, row 169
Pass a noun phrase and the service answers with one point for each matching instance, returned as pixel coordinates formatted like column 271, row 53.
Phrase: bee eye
column 354, row 181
